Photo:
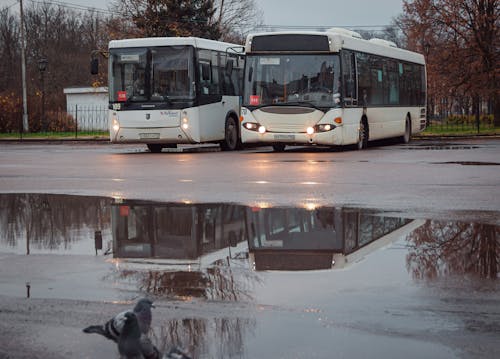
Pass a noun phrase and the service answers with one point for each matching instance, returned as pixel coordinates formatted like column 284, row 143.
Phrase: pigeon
column 132, row 344
column 112, row 329
column 129, row 342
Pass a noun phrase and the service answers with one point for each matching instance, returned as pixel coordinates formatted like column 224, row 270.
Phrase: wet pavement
column 247, row 281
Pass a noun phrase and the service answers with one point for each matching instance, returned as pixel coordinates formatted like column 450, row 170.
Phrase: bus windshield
column 156, row 74
column 292, row 79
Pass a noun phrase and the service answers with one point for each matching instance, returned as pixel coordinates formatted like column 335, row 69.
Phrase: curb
column 54, row 140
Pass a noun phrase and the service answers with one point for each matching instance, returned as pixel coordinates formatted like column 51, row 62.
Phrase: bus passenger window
column 205, row 78
column 349, row 77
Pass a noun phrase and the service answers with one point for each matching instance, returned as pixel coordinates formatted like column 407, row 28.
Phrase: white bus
column 173, row 90
column 330, row 88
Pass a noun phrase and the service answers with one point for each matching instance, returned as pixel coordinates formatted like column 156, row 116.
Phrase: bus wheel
column 154, row 147
column 406, row 138
column 279, row 147
column 363, row 135
column 231, row 140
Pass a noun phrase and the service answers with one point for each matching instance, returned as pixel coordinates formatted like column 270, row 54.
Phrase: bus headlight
column 310, row 130
column 116, row 124
column 252, row 126
column 324, row 127
column 185, row 122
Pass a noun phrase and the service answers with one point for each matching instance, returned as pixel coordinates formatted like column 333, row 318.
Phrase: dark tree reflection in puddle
column 454, row 249
column 207, row 338
column 214, row 283
column 48, row 222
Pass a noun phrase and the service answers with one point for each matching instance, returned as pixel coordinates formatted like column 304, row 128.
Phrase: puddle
column 439, row 146
column 177, row 249
column 325, row 273
column 468, row 163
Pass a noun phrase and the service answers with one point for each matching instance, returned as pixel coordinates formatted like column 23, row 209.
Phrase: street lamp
column 42, row 66
column 428, row 112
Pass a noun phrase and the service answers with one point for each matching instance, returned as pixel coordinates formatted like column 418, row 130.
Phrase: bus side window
column 228, row 78
column 215, row 88
column 205, row 77
column 364, row 80
column 349, row 86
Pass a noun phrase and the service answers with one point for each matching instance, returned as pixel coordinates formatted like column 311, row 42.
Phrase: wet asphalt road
column 427, row 177
column 374, row 308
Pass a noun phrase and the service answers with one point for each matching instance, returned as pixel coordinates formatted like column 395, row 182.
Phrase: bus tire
column 406, row 138
column 363, row 135
column 231, row 140
column 154, row 147
column 279, row 147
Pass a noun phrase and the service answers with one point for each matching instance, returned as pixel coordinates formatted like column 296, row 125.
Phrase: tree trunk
column 496, row 110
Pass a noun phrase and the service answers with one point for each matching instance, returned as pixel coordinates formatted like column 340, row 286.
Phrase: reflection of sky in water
column 182, row 249
column 82, row 243
column 404, row 282
column 52, row 224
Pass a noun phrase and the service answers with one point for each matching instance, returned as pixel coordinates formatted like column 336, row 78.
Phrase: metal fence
column 461, row 124
column 80, row 121
column 90, row 118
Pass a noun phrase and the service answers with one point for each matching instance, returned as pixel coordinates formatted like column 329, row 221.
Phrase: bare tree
column 10, row 72
column 9, row 49
column 237, row 18
column 461, row 40
column 452, row 248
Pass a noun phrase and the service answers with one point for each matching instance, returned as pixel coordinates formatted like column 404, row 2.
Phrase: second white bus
column 330, row 88
column 173, row 90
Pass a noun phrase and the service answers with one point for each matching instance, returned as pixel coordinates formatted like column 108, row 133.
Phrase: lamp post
column 427, row 49
column 42, row 66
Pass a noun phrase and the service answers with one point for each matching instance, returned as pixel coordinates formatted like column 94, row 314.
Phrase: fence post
column 476, row 111
column 21, row 130
column 76, row 121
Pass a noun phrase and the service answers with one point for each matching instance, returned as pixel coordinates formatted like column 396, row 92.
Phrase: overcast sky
column 319, row 13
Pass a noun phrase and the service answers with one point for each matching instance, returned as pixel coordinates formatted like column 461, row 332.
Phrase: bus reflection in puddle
column 202, row 250
column 216, row 250
column 282, row 238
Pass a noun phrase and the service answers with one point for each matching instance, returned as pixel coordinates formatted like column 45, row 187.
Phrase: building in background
column 88, row 105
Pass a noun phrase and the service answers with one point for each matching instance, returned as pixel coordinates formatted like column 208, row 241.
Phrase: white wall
column 89, row 105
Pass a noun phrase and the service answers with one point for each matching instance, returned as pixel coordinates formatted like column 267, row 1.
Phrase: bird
column 132, row 344
column 113, row 328
column 129, row 342
column 129, row 330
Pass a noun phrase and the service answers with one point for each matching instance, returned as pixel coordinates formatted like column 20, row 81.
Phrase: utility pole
column 23, row 71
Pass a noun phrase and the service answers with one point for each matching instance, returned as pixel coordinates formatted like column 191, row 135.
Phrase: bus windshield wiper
column 169, row 101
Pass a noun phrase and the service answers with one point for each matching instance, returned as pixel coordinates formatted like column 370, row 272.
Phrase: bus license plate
column 149, row 136
column 284, row 137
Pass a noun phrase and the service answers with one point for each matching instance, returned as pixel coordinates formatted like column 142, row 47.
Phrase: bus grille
column 286, row 127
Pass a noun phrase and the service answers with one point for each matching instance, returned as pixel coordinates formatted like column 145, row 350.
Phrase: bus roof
column 337, row 39
column 172, row 41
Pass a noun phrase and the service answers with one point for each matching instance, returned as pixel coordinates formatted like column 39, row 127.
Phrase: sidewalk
column 105, row 140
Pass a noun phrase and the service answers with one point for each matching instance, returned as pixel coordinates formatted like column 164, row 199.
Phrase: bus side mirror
column 94, row 66
column 250, row 73
column 229, row 67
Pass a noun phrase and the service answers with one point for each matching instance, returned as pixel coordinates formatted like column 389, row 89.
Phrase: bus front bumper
column 328, row 138
column 174, row 135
